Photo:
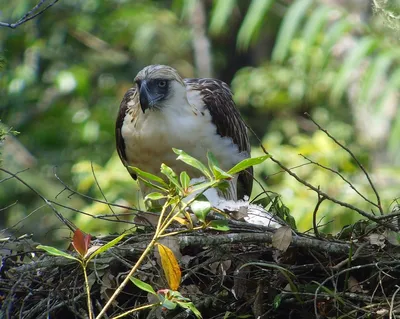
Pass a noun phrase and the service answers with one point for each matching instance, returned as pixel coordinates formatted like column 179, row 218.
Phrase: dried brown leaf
column 282, row 238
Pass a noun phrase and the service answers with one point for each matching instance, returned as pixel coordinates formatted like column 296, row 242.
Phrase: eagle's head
column 159, row 86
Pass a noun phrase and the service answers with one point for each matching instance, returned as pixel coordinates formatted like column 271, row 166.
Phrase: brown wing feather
column 123, row 109
column 217, row 97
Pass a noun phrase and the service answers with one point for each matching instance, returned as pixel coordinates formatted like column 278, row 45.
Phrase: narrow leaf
column 282, row 238
column 246, row 163
column 334, row 33
column 201, row 186
column 106, row 246
column 314, row 25
column 171, row 175
column 189, row 305
column 149, row 176
column 349, row 66
column 221, row 11
column 154, row 196
column 288, row 28
column 252, row 22
column 55, row 252
column 221, row 225
column 142, row 285
column 186, row 158
column 212, row 161
column 170, row 266
column 221, row 174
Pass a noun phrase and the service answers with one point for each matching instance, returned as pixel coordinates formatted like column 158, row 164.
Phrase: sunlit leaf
column 376, row 72
column 171, row 175
column 55, row 252
column 170, row 266
column 184, row 157
column 212, row 160
column 142, row 285
column 334, row 33
column 349, row 66
column 185, row 180
column 221, row 225
column 201, row 207
column 246, row 163
column 252, row 22
column 221, row 174
column 221, row 11
column 107, row 246
column 168, row 304
column 277, row 301
column 189, row 305
column 154, row 196
column 289, row 27
column 314, row 25
column 149, row 176
column 201, row 186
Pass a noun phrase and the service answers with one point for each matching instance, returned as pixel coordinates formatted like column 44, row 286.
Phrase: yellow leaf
column 181, row 221
column 170, row 266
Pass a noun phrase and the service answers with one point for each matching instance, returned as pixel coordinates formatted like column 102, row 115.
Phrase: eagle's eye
column 162, row 83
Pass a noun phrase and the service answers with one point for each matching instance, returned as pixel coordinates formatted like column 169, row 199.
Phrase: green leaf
column 186, row 158
column 152, row 185
column 290, row 25
column 351, row 63
column 376, row 72
column 171, row 175
column 201, row 207
column 185, row 180
column 314, row 24
column 201, row 186
column 189, row 305
column 334, row 33
column 149, row 176
column 277, row 301
column 246, row 163
column 212, row 161
column 106, row 247
column 170, row 305
column 154, row 196
column 55, row 252
column 221, row 225
column 221, row 11
column 142, row 285
column 221, row 174
column 252, row 22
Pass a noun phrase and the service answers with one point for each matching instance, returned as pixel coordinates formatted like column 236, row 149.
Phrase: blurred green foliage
column 66, row 71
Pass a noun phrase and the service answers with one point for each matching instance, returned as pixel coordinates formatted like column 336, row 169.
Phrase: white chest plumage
column 150, row 137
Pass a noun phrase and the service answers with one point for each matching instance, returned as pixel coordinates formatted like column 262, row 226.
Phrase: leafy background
column 65, row 72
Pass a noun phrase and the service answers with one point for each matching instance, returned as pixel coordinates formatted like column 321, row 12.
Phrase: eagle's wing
column 129, row 97
column 217, row 97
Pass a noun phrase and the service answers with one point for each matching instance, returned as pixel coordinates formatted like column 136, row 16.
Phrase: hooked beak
column 148, row 98
column 145, row 97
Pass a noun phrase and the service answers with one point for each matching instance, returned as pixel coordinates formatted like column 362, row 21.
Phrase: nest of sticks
column 225, row 274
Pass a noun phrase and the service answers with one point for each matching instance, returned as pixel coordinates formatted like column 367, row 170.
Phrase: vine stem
column 89, row 301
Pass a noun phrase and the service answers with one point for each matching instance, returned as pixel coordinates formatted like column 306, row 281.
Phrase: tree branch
column 29, row 16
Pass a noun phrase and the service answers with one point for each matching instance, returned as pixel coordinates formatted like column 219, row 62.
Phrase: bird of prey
column 163, row 111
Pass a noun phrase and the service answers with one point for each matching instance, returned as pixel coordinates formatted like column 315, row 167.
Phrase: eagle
column 164, row 111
